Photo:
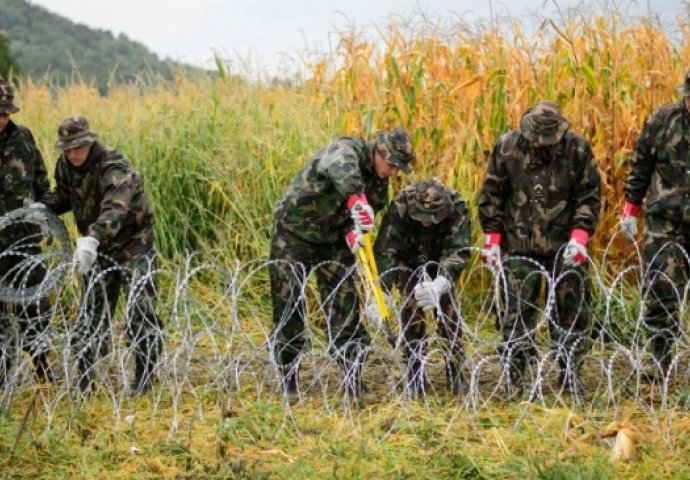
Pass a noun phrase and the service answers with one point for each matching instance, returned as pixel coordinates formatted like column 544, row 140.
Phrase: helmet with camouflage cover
column 7, row 98
column 684, row 88
column 74, row 132
column 396, row 148
column 544, row 123
column 429, row 202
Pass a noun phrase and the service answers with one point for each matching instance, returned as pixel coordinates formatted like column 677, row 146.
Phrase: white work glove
column 628, row 220
column 491, row 253
column 576, row 250
column 37, row 211
column 428, row 293
column 354, row 240
column 85, row 255
column 361, row 212
column 372, row 312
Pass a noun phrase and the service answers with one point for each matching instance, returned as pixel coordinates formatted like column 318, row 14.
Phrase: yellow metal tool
column 371, row 273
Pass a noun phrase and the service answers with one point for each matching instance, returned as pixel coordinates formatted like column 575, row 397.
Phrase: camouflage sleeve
column 456, row 247
column 117, row 182
column 389, row 242
column 493, row 193
column 341, row 166
column 41, row 185
column 642, row 165
column 588, row 194
column 58, row 200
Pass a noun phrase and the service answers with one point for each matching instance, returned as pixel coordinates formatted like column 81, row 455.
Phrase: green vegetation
column 8, row 64
column 48, row 45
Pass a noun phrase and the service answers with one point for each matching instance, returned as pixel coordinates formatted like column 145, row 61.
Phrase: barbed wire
column 218, row 340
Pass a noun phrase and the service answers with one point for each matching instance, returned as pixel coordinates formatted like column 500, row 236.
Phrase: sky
column 272, row 34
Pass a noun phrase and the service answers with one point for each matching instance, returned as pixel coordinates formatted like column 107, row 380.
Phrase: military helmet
column 7, row 98
column 684, row 88
column 544, row 123
column 429, row 201
column 74, row 132
column 396, row 148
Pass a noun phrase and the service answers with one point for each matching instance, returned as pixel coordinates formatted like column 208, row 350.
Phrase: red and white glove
column 361, row 212
column 629, row 220
column 354, row 240
column 491, row 253
column 576, row 250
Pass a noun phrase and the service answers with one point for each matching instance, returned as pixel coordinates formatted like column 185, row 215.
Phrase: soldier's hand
column 576, row 250
column 575, row 254
column 491, row 253
column 354, row 240
column 428, row 293
column 361, row 212
column 372, row 312
column 85, row 255
column 628, row 220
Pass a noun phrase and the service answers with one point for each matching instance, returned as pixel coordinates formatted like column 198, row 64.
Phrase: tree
column 8, row 64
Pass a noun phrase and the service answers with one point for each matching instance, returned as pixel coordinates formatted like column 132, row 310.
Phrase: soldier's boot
column 143, row 372
column 86, row 374
column 456, row 383
column 289, row 382
column 659, row 365
column 146, row 359
column 513, row 357
column 416, row 379
column 44, row 371
column 352, row 365
column 569, row 379
column 515, row 380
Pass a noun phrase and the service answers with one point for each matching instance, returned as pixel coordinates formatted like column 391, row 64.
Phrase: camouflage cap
column 544, row 123
column 684, row 88
column 429, row 202
column 7, row 98
column 396, row 147
column 74, row 132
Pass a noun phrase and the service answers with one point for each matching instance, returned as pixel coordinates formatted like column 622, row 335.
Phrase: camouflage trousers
column 22, row 325
column 413, row 323
column 90, row 338
column 292, row 262
column 665, row 248
column 569, row 316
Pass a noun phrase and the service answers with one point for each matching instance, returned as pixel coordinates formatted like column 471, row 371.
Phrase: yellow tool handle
column 375, row 287
column 369, row 249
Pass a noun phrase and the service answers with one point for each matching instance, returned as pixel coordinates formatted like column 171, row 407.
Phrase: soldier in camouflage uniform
column 541, row 198
column 660, row 170
column 318, row 224
column 24, row 182
column 422, row 247
column 115, row 220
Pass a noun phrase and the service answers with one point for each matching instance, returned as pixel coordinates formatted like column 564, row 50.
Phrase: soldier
column 660, row 166
column 319, row 224
column 24, row 182
column 422, row 247
column 541, row 197
column 115, row 220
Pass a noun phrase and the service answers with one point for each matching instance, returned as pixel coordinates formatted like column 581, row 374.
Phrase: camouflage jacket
column 660, row 165
column 535, row 197
column 108, row 201
column 313, row 208
column 404, row 242
column 22, row 172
